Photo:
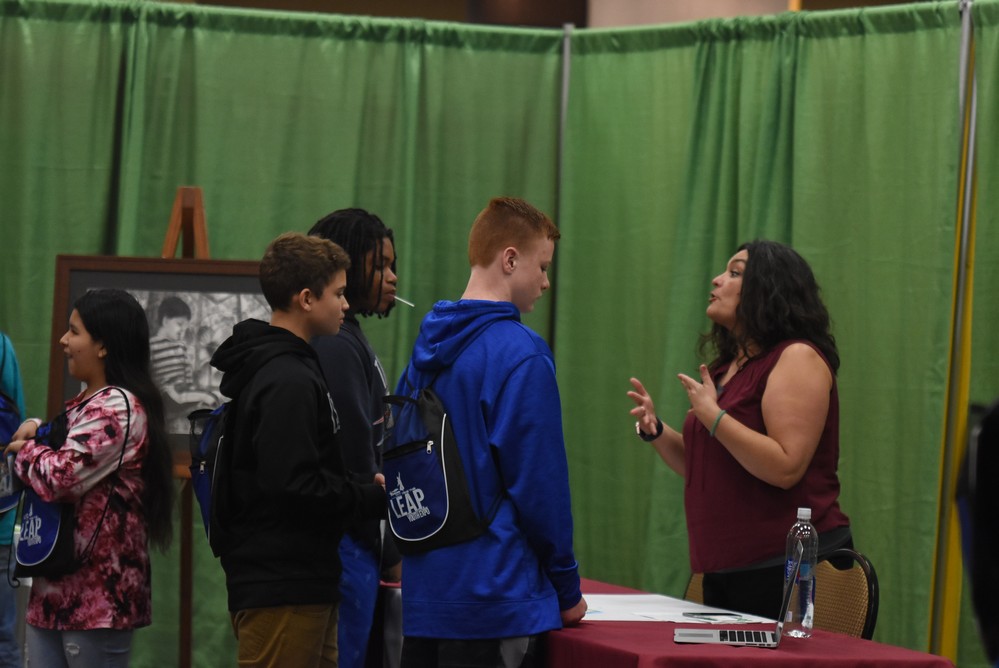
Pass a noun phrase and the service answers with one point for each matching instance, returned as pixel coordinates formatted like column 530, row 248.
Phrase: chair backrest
column 846, row 594
column 695, row 592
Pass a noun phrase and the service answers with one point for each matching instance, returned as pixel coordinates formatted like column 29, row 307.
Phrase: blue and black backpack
column 429, row 502
column 209, row 462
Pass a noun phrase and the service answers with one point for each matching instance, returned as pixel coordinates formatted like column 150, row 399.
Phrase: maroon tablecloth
column 647, row 644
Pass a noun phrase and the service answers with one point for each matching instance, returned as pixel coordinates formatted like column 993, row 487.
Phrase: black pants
column 755, row 591
column 522, row 652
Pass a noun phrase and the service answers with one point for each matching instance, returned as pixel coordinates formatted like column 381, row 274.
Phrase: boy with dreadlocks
column 357, row 382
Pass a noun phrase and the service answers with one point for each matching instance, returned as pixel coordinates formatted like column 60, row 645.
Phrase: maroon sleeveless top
column 734, row 519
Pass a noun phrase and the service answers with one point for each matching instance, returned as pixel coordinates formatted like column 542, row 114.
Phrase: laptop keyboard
column 748, row 637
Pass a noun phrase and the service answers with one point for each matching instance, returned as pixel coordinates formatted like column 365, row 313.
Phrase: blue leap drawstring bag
column 46, row 546
column 429, row 503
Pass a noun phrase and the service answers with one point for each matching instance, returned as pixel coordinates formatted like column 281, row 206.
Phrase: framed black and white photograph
column 191, row 306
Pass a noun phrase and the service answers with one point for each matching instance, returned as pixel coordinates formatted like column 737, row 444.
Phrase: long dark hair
column 113, row 317
column 780, row 300
column 358, row 232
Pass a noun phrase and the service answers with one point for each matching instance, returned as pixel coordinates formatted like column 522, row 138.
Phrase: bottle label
column 808, row 616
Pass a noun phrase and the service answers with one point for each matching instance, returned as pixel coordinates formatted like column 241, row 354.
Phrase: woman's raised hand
column 644, row 410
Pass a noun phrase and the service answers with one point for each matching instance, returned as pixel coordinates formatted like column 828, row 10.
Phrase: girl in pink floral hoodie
column 115, row 467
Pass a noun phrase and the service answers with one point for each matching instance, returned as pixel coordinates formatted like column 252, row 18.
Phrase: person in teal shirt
column 10, row 384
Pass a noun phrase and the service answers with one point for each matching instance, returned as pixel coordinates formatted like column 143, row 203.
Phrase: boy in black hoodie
column 288, row 498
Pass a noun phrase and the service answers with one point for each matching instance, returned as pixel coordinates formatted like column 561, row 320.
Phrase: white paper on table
column 658, row 608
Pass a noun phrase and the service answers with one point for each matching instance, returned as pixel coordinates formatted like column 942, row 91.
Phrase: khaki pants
column 294, row 635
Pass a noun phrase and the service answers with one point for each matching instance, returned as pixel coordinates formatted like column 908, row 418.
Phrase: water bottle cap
column 804, row 513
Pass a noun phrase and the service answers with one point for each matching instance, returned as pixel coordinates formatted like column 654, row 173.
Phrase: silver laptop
column 743, row 634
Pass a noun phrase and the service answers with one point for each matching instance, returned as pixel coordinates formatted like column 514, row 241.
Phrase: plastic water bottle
column 801, row 611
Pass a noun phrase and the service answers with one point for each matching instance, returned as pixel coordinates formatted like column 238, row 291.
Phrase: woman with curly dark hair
column 761, row 438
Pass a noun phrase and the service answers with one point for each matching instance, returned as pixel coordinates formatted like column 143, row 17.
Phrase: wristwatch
column 648, row 438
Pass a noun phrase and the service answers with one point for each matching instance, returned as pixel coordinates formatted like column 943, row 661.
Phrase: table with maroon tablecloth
column 604, row 644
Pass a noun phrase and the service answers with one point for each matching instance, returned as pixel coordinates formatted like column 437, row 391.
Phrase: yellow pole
column 945, row 604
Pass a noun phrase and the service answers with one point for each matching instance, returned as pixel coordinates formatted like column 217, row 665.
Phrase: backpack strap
column 412, row 389
column 399, row 400
column 468, row 344
column 121, row 457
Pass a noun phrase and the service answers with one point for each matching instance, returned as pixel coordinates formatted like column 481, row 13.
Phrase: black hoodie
column 288, row 497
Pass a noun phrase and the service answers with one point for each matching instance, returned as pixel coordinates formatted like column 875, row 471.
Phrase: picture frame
column 191, row 306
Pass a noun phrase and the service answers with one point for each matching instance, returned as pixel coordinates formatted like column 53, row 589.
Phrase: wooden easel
column 187, row 222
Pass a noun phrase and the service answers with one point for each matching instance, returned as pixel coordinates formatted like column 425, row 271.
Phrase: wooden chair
column 694, row 591
column 846, row 594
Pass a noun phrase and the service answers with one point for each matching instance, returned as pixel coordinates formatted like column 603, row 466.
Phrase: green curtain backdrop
column 812, row 129
column 280, row 118
column 985, row 334
column 836, row 132
column 882, row 222
column 283, row 118
column 61, row 69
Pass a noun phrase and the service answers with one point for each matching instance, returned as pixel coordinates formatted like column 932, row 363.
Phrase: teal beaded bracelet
column 717, row 420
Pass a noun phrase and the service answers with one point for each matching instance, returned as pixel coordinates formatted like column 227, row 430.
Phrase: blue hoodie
column 497, row 381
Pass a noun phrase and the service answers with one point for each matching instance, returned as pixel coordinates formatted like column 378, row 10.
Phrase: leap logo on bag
column 31, row 525
column 407, row 502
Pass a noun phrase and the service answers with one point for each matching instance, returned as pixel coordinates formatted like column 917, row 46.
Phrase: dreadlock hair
column 114, row 318
column 780, row 300
column 358, row 232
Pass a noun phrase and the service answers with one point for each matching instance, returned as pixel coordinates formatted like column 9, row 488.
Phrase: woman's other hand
column 667, row 442
column 702, row 394
column 644, row 410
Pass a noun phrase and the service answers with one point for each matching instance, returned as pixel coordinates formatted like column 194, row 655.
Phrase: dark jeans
column 522, row 652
